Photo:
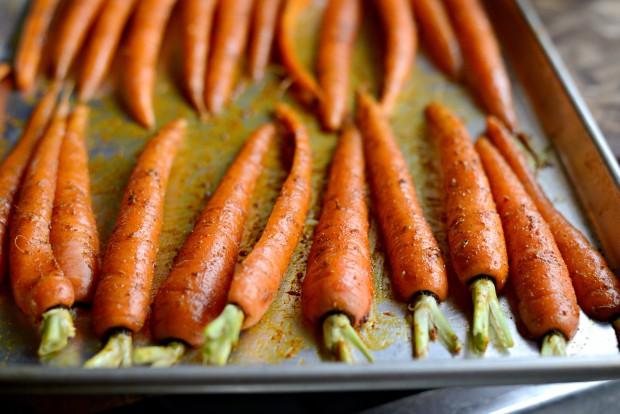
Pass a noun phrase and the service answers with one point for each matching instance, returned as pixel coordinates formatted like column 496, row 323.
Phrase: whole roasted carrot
column 438, row 36
column 147, row 32
column 123, row 294
column 32, row 40
column 258, row 277
column 231, row 37
column 338, row 287
column 196, row 290
column 418, row 272
column 483, row 64
column 475, row 235
column 73, row 235
column 102, row 45
column 547, row 302
column 341, row 21
column 264, row 22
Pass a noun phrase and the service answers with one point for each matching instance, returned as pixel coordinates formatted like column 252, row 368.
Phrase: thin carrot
column 264, row 21
column 122, row 297
column 258, row 277
column 32, row 40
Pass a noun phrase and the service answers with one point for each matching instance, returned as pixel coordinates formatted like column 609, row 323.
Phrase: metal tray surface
column 283, row 353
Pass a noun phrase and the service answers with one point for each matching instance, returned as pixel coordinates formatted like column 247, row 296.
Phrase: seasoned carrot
column 102, row 45
column 418, row 272
column 72, row 32
column 123, row 294
column 147, row 32
column 264, row 22
column 32, row 40
column 438, row 36
column 475, row 235
column 74, row 237
column 401, row 44
column 597, row 288
column 338, row 287
column 341, row 21
column 231, row 37
column 483, row 64
column 257, row 279
column 547, row 302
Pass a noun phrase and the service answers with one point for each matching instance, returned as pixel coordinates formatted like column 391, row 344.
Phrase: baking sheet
column 282, row 352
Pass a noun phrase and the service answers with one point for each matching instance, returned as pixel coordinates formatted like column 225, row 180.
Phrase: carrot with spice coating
column 547, row 302
column 264, row 21
column 257, row 279
column 196, row 290
column 122, row 297
column 418, row 272
column 338, row 287
column 475, row 235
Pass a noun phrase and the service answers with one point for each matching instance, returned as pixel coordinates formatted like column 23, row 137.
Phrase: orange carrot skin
column 438, row 36
column 123, row 294
column 264, row 21
column 145, row 38
column 103, row 44
column 547, row 300
column 196, row 290
column 475, row 234
column 415, row 258
column 32, row 40
column 37, row 280
column 14, row 165
column 258, row 277
column 597, row 288
column 74, row 237
column 231, row 37
column 339, row 274
column 484, row 67
column 341, row 21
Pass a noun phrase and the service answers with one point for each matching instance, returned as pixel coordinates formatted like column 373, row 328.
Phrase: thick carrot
column 74, row 237
column 103, row 44
column 32, row 40
column 72, row 32
column 597, row 288
column 483, row 64
column 547, row 302
column 264, row 21
column 475, row 235
column 341, row 21
column 147, row 32
column 231, row 37
column 438, row 36
column 122, row 297
column 418, row 271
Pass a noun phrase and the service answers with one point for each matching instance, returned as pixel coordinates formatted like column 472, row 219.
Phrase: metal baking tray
column 282, row 353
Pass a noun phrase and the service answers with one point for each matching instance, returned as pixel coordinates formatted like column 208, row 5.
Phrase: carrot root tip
column 553, row 344
column 340, row 336
column 221, row 335
column 488, row 312
column 428, row 324
column 116, row 353
column 159, row 356
column 57, row 327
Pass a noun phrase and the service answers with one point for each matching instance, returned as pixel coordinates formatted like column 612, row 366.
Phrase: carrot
column 438, row 36
column 483, row 63
column 418, row 272
column 400, row 32
column 596, row 287
column 72, row 32
column 32, row 40
column 145, row 37
column 338, row 287
column 122, row 297
column 231, row 37
column 341, row 21
column 264, row 20
column 73, row 235
column 196, row 290
column 258, row 277
column 547, row 302
column 475, row 235
column 103, row 44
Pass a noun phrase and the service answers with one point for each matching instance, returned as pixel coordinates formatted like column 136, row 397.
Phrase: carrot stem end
column 159, row 356
column 340, row 336
column 116, row 353
column 488, row 312
column 428, row 323
column 57, row 327
column 221, row 335
column 554, row 344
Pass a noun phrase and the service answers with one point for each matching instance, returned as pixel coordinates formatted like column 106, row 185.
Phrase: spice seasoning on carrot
column 264, row 20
